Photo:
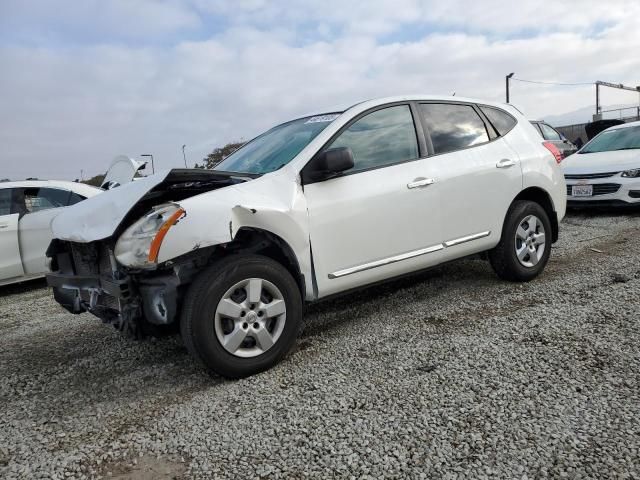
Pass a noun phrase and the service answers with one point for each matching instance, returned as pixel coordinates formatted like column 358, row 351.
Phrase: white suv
column 313, row 207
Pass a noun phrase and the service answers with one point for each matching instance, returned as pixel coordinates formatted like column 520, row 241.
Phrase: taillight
column 554, row 150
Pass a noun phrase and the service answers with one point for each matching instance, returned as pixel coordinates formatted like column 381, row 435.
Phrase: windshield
column 618, row 139
column 276, row 147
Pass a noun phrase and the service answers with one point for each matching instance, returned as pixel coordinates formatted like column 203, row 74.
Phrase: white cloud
column 67, row 107
column 95, row 20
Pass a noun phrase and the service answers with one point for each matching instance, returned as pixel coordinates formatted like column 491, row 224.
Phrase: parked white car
column 606, row 171
column 26, row 210
column 314, row 207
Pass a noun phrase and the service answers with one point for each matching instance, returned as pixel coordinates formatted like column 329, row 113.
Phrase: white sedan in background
column 606, row 171
column 27, row 208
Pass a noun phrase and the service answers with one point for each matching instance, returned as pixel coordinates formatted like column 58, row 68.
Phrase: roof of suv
column 424, row 97
column 374, row 102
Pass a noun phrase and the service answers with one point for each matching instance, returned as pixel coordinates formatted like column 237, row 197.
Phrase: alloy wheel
column 530, row 241
column 250, row 317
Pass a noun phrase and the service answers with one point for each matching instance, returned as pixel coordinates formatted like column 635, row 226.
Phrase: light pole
column 184, row 156
column 153, row 168
column 507, row 78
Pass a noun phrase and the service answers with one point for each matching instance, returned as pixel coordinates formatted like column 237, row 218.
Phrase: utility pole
column 507, row 78
column 153, row 168
column 184, row 156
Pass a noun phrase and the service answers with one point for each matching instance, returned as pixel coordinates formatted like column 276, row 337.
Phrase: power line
column 551, row 83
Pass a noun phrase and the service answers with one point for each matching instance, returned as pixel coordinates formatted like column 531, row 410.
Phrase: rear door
column 479, row 175
column 10, row 262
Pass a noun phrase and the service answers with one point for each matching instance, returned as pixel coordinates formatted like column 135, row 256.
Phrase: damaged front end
column 86, row 278
column 101, row 276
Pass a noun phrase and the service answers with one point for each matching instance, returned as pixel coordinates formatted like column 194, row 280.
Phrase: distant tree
column 95, row 181
column 219, row 154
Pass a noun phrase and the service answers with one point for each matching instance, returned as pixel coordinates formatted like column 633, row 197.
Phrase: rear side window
column 501, row 120
column 381, row 138
column 5, row 201
column 453, row 127
column 548, row 132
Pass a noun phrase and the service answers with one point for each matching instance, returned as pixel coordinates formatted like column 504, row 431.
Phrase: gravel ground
column 451, row 374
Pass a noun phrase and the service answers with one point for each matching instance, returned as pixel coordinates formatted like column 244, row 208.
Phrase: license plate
column 582, row 191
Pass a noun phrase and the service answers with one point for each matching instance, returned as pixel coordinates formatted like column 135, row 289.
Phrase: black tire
column 201, row 301
column 503, row 257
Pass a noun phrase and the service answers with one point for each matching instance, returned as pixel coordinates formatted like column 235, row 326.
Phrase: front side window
column 619, row 139
column 35, row 199
column 453, row 127
column 277, row 147
column 5, row 201
column 501, row 120
column 384, row 137
column 548, row 132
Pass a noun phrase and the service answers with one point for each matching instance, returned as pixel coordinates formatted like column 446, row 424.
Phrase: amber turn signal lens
column 157, row 240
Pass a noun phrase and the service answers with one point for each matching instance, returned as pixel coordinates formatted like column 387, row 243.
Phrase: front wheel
column 525, row 246
column 241, row 315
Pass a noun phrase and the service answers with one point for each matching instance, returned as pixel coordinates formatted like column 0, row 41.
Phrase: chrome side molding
column 408, row 255
column 386, row 261
column 466, row 239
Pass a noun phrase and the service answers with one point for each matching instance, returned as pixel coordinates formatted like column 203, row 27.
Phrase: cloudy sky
column 83, row 81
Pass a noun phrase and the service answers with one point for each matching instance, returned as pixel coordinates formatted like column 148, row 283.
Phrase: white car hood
column 601, row 162
column 98, row 217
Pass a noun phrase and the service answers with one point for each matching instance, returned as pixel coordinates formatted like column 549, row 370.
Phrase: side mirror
column 328, row 164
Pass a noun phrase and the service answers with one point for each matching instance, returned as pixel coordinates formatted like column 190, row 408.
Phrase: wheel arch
column 263, row 242
column 542, row 198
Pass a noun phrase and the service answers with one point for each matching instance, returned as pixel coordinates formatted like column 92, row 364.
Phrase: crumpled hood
column 205, row 195
column 601, row 162
column 98, row 217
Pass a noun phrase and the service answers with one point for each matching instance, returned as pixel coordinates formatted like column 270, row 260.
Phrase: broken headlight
column 139, row 245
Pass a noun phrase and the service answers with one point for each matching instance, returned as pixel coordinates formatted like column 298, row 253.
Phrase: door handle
column 4, row 225
column 505, row 163
column 420, row 182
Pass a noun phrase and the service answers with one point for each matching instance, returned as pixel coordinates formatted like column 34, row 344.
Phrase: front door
column 381, row 218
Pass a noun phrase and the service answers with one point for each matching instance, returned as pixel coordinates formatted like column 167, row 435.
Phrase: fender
column 272, row 203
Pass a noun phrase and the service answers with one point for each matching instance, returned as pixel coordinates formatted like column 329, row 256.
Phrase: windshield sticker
column 323, row 118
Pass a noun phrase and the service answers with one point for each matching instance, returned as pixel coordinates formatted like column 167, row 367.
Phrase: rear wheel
column 525, row 246
column 241, row 315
